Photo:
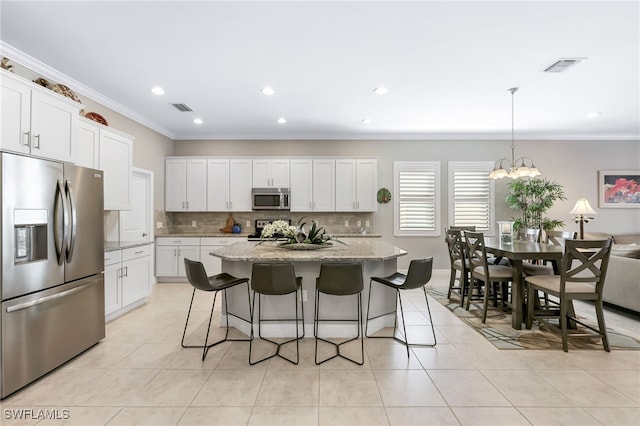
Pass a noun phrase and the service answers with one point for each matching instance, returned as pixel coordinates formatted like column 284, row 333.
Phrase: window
column 417, row 188
column 471, row 195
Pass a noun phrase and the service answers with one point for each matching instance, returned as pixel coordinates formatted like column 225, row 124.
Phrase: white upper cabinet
column 116, row 160
column 301, row 185
column 229, row 185
column 185, row 185
column 356, row 182
column 270, row 173
column 37, row 121
column 366, row 185
column 313, row 185
column 88, row 153
column 197, row 185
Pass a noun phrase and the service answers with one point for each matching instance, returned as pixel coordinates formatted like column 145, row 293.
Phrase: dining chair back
column 459, row 265
column 582, row 277
column 486, row 278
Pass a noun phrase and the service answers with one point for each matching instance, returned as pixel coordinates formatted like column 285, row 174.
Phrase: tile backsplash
column 212, row 222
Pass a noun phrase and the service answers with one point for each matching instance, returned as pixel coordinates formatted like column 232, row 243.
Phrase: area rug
column 497, row 330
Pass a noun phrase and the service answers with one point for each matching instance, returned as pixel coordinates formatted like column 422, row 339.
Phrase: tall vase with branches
column 534, row 197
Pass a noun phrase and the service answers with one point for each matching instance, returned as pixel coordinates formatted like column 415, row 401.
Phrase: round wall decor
column 384, row 196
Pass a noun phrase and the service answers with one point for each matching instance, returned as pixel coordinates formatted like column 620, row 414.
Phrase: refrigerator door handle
column 60, row 220
column 73, row 220
column 46, row 299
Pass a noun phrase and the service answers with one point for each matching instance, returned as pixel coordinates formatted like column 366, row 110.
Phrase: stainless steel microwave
column 270, row 199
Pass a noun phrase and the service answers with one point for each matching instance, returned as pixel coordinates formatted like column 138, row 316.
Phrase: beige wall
column 149, row 147
column 574, row 164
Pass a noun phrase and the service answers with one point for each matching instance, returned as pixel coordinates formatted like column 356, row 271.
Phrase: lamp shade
column 582, row 207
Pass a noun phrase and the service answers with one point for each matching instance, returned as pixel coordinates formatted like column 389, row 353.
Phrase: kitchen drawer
column 112, row 257
column 135, row 252
column 217, row 241
column 178, row 241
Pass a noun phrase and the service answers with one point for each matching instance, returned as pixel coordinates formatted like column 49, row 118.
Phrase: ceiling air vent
column 182, row 107
column 562, row 65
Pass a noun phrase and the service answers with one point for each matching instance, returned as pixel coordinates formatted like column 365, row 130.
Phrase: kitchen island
column 378, row 258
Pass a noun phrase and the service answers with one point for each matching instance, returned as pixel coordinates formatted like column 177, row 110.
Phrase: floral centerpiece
column 295, row 237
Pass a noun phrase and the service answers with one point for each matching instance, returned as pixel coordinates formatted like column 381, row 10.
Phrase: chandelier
column 514, row 168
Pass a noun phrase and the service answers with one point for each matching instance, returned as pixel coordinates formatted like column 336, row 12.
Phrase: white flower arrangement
column 279, row 228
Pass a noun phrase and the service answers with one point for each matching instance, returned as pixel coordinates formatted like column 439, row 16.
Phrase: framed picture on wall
column 619, row 188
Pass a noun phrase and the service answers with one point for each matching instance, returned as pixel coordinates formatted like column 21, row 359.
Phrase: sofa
column 622, row 283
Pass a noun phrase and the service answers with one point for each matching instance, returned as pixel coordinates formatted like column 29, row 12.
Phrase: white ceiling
column 448, row 65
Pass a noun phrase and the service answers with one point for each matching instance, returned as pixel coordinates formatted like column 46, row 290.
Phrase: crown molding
column 48, row 72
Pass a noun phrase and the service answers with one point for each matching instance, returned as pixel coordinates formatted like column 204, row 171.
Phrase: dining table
column 517, row 251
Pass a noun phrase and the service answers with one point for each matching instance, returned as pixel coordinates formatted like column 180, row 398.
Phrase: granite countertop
column 246, row 234
column 204, row 235
column 356, row 249
column 119, row 245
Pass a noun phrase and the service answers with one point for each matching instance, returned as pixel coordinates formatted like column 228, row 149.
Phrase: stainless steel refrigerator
column 52, row 255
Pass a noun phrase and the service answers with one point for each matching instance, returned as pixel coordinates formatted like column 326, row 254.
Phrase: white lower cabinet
column 170, row 255
column 127, row 279
column 213, row 264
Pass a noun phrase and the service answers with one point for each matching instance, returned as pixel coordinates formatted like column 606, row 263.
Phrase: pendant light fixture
column 513, row 167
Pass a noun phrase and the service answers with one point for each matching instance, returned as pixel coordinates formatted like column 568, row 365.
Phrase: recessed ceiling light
column 594, row 114
column 198, row 120
column 268, row 91
column 366, row 121
column 282, row 120
column 157, row 90
column 380, row 90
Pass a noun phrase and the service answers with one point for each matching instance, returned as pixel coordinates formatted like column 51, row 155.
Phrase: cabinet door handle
column 230, row 205
column 187, row 205
column 183, row 205
column 144, row 234
column 121, row 272
column 26, row 138
column 358, row 205
column 139, row 252
column 126, row 271
column 37, row 138
column 175, row 252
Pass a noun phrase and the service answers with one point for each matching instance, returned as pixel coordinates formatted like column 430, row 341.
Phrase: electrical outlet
column 367, row 223
column 159, row 225
column 193, row 223
column 248, row 223
column 359, row 223
column 346, row 223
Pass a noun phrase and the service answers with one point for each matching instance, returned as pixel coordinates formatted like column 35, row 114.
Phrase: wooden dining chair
column 460, row 271
column 582, row 277
column 557, row 238
column 486, row 278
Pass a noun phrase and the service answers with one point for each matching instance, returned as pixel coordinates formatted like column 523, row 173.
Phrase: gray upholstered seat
column 197, row 277
column 276, row 279
column 418, row 275
column 582, row 277
column 339, row 279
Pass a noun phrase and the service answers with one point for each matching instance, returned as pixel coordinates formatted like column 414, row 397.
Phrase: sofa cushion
column 596, row 236
column 627, row 239
column 626, row 250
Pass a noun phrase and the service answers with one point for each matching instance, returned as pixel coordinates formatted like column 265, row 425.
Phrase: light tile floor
column 140, row 375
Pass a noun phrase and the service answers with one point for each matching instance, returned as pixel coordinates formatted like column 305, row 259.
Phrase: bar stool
column 197, row 277
column 339, row 279
column 275, row 279
column 419, row 275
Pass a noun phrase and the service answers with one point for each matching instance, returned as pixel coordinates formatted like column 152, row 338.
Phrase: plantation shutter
column 471, row 195
column 417, row 211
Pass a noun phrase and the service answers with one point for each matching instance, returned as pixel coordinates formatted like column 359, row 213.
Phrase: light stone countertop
column 356, row 249
column 119, row 245
column 246, row 234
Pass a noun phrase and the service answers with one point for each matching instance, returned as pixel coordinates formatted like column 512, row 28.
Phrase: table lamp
column 581, row 209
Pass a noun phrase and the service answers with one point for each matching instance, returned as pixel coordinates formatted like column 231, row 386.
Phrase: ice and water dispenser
column 30, row 233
